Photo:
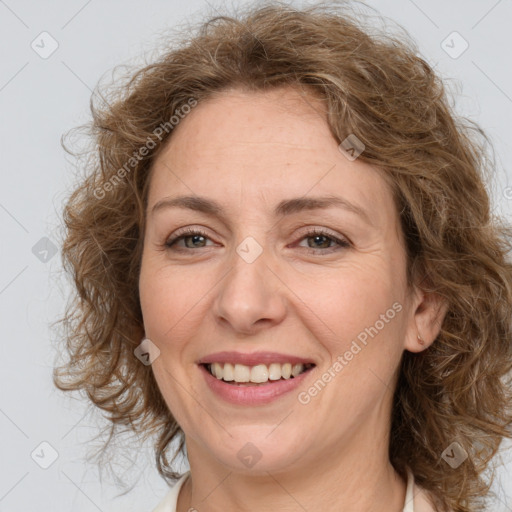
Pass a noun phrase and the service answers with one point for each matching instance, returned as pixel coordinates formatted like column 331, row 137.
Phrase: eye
column 196, row 236
column 322, row 241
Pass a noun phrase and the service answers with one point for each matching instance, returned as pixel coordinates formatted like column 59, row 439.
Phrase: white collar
column 409, row 493
column 171, row 499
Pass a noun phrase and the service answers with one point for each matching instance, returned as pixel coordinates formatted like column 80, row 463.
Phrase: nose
column 250, row 296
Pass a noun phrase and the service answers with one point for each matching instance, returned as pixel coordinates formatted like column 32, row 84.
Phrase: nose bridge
column 249, row 292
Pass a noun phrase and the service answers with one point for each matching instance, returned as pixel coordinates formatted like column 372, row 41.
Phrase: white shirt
column 415, row 498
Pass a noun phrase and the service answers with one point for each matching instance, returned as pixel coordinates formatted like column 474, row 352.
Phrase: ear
column 428, row 310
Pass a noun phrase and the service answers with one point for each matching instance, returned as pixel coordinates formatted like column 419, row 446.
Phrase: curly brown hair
column 377, row 87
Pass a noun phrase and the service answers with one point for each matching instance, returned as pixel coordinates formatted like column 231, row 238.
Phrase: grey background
column 40, row 99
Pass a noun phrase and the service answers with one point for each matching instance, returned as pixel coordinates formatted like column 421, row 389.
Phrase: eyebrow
column 284, row 208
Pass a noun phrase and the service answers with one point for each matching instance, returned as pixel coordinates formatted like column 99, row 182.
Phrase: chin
column 258, row 450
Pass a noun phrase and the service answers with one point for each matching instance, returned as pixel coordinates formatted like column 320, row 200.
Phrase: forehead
column 255, row 148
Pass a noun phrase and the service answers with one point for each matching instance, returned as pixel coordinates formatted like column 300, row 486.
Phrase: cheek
column 172, row 299
column 358, row 319
column 345, row 301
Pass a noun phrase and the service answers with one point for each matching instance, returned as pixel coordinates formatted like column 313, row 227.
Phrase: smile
column 258, row 374
column 248, row 393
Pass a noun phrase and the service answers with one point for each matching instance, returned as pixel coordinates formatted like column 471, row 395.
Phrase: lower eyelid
column 338, row 245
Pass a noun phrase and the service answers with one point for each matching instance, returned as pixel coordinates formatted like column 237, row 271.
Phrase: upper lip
column 253, row 359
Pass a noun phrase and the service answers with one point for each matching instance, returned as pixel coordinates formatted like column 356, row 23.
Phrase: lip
column 253, row 358
column 252, row 395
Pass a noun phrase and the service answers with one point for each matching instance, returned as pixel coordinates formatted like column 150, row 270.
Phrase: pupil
column 317, row 237
column 195, row 238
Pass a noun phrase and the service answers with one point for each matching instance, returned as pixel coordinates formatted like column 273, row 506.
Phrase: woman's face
column 265, row 282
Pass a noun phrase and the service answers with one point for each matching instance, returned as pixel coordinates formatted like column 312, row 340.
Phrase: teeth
column 228, row 373
column 242, row 373
column 258, row 374
column 274, row 371
column 297, row 368
column 286, row 370
column 217, row 370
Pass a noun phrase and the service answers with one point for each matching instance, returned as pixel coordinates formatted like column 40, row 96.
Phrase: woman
column 284, row 259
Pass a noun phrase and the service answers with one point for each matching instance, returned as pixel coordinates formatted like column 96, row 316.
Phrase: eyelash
column 343, row 244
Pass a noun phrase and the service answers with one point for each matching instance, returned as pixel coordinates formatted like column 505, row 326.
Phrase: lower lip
column 252, row 395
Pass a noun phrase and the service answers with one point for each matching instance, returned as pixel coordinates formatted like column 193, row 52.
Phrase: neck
column 358, row 478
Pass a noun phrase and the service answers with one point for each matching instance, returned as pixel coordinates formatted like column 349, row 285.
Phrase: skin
column 248, row 151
